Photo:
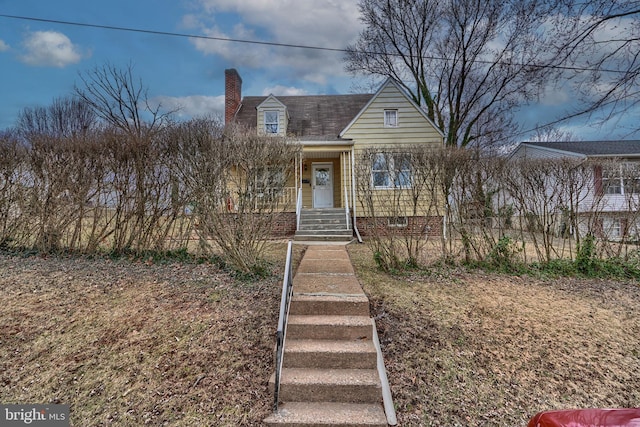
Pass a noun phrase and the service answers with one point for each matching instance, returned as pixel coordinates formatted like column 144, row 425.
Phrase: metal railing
column 298, row 208
column 287, row 290
column 346, row 205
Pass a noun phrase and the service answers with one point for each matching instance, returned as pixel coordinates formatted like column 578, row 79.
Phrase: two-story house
column 333, row 130
column 612, row 197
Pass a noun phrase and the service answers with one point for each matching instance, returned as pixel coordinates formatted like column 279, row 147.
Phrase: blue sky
column 40, row 61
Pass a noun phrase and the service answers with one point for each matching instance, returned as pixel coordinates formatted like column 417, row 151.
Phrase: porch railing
column 283, row 197
column 288, row 196
column 346, row 205
column 298, row 208
column 287, row 290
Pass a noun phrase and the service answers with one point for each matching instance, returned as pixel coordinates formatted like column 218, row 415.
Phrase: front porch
column 323, row 177
column 323, row 192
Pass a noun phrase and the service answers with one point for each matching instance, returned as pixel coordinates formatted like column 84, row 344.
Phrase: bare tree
column 600, row 41
column 121, row 100
column 469, row 63
column 65, row 118
column 553, row 134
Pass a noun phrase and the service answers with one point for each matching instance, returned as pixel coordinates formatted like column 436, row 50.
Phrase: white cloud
column 283, row 91
column 555, row 94
column 3, row 46
column 191, row 106
column 322, row 23
column 50, row 48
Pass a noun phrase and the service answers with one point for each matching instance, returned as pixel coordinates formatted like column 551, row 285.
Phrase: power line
column 170, row 34
column 275, row 44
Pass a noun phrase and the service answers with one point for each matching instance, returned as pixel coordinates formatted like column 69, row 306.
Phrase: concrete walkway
column 331, row 373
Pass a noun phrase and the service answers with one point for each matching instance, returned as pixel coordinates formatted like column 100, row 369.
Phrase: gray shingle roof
column 317, row 117
column 594, row 148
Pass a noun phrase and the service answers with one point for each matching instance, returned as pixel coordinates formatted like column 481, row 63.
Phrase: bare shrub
column 235, row 179
column 548, row 195
column 12, row 165
column 399, row 191
column 475, row 211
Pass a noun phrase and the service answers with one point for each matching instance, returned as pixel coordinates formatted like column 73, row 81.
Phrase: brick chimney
column 232, row 93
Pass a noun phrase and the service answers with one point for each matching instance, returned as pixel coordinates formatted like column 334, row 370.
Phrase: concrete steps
column 330, row 375
column 329, row 327
column 359, row 354
column 324, row 225
column 330, row 385
column 323, row 414
column 329, row 304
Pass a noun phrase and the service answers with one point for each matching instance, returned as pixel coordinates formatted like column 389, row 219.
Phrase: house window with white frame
column 630, row 178
column 391, row 170
column 271, row 122
column 380, row 173
column 269, row 183
column 611, row 181
column 391, row 118
column 613, row 228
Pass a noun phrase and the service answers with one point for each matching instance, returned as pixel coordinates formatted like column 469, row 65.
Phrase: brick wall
column 284, row 225
column 431, row 226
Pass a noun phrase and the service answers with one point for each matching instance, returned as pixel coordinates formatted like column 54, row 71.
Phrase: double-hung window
column 391, row 118
column 611, row 181
column 269, row 183
column 271, row 122
column 391, row 170
column 380, row 172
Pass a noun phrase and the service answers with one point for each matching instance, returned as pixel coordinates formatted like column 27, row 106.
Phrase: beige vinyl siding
column 413, row 129
column 272, row 104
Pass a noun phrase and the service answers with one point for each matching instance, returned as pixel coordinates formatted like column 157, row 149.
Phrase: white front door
column 322, row 184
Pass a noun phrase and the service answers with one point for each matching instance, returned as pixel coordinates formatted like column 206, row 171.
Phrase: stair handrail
column 298, row 208
column 346, row 205
column 285, row 300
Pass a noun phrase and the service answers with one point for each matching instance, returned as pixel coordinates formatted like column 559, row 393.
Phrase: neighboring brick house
column 332, row 130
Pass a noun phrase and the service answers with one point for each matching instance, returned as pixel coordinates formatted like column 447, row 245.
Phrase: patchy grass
column 135, row 343
column 469, row 348
column 163, row 343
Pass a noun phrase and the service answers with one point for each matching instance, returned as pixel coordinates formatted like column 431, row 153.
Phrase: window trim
column 271, row 123
column 398, row 221
column 392, row 174
column 613, row 227
column 617, row 181
column 387, row 123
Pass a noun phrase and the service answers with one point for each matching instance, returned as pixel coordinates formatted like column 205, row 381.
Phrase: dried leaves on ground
column 467, row 348
column 135, row 343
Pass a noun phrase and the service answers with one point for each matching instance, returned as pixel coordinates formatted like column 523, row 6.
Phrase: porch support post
column 353, row 186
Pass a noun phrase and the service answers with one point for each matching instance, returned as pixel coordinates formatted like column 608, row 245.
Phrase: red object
column 587, row 418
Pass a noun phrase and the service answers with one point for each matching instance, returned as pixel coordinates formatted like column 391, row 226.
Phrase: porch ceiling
column 321, row 154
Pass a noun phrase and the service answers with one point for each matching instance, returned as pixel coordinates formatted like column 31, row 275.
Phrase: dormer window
column 391, row 118
column 271, row 122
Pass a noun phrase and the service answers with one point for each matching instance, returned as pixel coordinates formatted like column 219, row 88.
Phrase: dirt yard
column 470, row 349
column 136, row 343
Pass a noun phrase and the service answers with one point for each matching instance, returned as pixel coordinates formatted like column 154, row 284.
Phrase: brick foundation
column 430, row 226
column 284, row 225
